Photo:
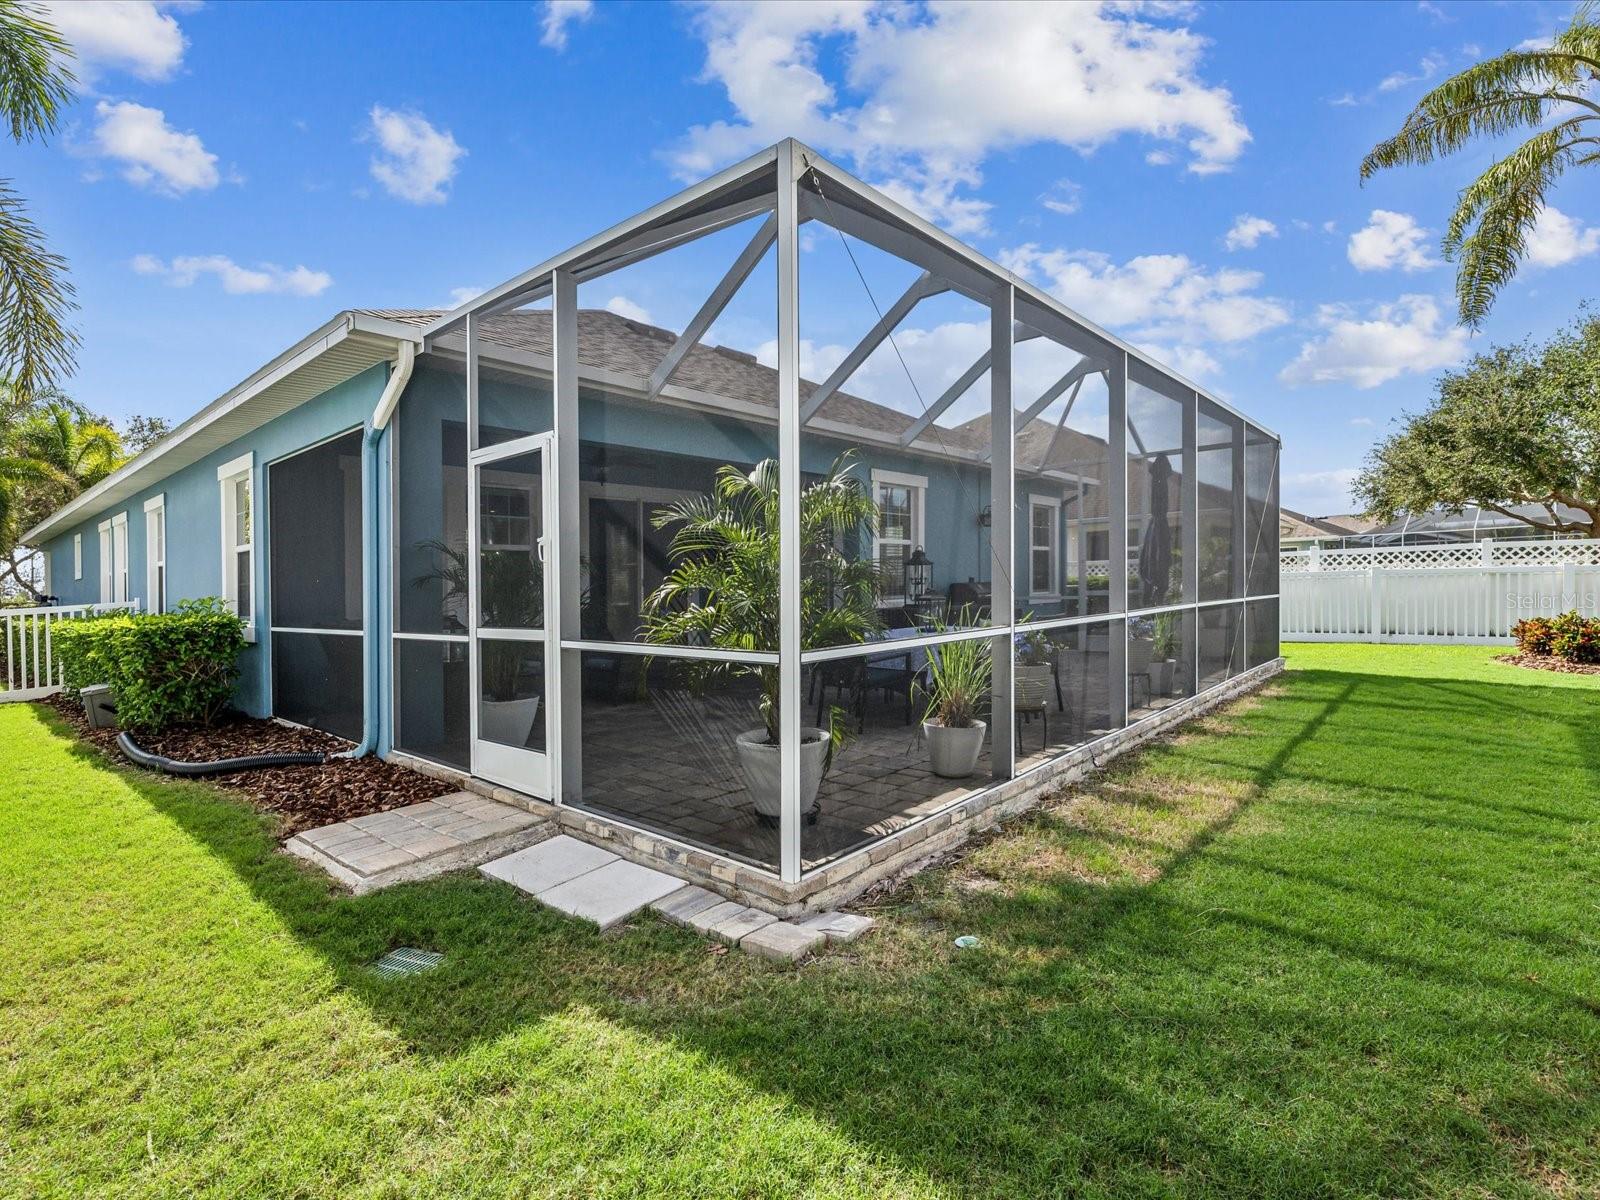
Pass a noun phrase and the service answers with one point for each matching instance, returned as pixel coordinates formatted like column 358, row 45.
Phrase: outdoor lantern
column 919, row 572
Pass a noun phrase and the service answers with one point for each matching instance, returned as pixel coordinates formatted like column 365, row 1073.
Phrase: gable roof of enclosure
column 748, row 189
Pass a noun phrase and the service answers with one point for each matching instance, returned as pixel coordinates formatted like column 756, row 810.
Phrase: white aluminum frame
column 790, row 184
column 530, row 771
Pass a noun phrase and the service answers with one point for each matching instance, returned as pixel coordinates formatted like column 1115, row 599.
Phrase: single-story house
column 442, row 532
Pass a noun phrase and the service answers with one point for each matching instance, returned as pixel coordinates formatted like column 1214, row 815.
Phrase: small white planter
column 953, row 753
column 763, row 773
column 507, row 722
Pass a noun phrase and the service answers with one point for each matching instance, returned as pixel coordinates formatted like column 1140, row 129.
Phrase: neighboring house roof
column 1297, row 526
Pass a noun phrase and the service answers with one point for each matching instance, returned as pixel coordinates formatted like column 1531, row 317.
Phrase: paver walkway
column 596, row 885
column 462, row 829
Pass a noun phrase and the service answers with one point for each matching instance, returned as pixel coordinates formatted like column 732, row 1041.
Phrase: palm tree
column 36, row 346
column 50, row 451
column 1539, row 89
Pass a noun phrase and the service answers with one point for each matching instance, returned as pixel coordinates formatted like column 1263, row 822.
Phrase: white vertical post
column 1486, row 552
column 566, row 675
column 1002, row 538
column 1375, row 602
column 1117, row 535
column 1314, row 557
column 789, row 511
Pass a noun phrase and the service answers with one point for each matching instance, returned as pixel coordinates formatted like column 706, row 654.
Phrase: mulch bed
column 1549, row 662
column 300, row 797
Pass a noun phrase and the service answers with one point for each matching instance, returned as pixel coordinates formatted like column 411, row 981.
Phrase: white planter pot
column 507, row 722
column 763, row 774
column 953, row 753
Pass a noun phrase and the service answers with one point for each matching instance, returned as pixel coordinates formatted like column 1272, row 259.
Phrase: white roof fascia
column 301, row 354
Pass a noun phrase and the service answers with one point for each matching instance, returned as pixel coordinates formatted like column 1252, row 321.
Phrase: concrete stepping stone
column 730, row 921
column 684, row 903
column 839, row 928
column 418, row 841
column 782, row 941
column 610, row 894
column 548, row 865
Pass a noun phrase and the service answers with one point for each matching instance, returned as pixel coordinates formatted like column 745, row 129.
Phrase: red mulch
column 1549, row 662
column 300, row 797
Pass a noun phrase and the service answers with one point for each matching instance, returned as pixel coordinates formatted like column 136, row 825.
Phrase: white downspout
column 398, row 378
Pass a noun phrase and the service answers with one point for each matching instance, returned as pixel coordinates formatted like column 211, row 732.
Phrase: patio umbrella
column 1155, row 551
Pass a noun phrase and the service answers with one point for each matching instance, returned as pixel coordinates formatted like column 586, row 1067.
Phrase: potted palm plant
column 724, row 593
column 958, row 685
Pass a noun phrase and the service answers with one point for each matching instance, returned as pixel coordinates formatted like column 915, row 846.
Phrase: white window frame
column 228, row 474
column 1053, row 504
column 104, row 562
column 155, row 565
column 119, row 557
column 918, row 484
column 77, row 556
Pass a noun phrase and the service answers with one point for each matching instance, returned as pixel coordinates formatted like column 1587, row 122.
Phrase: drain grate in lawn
column 406, row 960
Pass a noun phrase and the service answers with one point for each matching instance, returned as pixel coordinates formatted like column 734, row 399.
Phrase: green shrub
column 1576, row 637
column 164, row 669
column 1533, row 635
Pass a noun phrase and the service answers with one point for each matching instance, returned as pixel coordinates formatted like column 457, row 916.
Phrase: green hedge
column 164, row 669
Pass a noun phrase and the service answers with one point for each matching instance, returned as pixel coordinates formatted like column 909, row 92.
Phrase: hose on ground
column 220, row 766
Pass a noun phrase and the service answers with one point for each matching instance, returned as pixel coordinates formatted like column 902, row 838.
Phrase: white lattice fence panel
column 1465, row 555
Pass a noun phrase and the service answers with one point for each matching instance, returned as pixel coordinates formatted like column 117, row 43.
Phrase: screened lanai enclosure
column 691, row 523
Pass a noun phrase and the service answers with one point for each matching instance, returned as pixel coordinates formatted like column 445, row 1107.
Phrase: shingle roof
column 607, row 341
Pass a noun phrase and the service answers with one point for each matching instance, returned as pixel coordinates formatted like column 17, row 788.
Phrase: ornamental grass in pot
column 723, row 592
column 958, row 688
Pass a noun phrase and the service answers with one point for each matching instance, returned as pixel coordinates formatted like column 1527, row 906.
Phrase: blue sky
column 232, row 175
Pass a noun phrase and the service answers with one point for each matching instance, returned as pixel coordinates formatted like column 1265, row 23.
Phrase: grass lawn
column 1339, row 940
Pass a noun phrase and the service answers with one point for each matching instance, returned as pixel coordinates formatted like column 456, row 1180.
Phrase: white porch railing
column 1431, row 604
column 31, row 669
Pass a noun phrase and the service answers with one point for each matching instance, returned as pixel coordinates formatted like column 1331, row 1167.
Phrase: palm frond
column 36, row 345
column 35, row 80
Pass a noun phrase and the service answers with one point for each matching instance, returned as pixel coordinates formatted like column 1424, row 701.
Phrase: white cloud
column 416, row 161
column 624, row 307
column 1389, row 240
column 1161, row 297
column 1318, row 492
column 1361, row 422
column 1430, row 66
column 927, row 94
column 1557, row 239
column 1064, row 197
column 1407, row 337
column 1248, row 231
column 460, row 295
column 265, row 278
column 129, row 35
column 153, row 154
column 558, row 14
column 1190, row 361
column 1158, row 158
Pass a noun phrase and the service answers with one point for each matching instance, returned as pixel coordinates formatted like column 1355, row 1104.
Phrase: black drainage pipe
column 221, row 766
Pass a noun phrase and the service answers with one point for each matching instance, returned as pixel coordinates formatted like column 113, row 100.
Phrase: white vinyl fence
column 1465, row 593
column 31, row 669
